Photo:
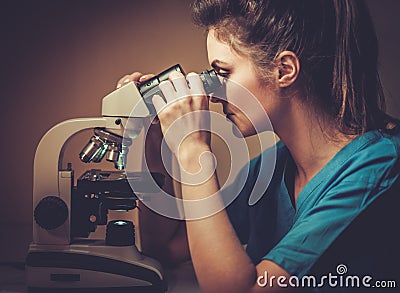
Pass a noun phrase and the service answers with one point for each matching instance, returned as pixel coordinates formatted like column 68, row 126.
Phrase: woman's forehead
column 218, row 50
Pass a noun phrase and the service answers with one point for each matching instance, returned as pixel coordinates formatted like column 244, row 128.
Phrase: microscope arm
column 47, row 170
column 123, row 113
column 118, row 105
column 49, row 153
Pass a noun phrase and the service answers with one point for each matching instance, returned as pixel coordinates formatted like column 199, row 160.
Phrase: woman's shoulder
column 372, row 159
column 391, row 138
column 378, row 144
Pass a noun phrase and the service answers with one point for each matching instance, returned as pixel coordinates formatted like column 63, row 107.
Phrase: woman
column 312, row 65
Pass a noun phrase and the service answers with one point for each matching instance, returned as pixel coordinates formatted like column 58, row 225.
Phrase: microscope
column 62, row 255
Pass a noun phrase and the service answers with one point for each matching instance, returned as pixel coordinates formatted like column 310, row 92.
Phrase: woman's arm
column 220, row 262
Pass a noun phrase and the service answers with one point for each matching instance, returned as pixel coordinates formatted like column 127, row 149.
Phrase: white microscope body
column 56, row 259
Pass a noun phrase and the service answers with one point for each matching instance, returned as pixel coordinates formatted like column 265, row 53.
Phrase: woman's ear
column 289, row 68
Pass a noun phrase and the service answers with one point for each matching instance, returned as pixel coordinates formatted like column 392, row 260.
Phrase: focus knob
column 51, row 212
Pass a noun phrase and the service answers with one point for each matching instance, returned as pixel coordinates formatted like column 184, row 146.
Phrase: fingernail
column 143, row 77
column 126, row 80
column 119, row 85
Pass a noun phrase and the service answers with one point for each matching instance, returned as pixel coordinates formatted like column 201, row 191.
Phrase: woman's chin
column 241, row 127
column 241, row 131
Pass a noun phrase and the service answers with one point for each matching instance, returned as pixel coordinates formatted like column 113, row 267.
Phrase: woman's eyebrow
column 217, row 63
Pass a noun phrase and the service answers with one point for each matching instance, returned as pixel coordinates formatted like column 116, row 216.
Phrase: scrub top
column 296, row 235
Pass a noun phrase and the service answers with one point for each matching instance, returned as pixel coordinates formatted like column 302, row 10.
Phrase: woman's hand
column 136, row 77
column 184, row 115
column 154, row 135
column 161, row 237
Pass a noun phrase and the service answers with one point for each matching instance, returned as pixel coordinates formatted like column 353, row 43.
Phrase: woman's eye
column 223, row 73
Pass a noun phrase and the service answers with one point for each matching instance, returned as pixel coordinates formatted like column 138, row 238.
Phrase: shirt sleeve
column 315, row 230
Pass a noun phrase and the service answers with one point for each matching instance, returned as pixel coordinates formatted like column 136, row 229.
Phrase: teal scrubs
column 296, row 235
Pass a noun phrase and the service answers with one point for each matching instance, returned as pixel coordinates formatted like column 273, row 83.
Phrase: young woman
column 312, row 65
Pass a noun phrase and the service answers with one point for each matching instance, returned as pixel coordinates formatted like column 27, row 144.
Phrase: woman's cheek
column 251, row 112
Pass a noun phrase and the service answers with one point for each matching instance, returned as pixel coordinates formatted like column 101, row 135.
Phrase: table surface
column 14, row 246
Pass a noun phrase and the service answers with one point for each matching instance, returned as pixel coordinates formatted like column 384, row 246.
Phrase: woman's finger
column 158, row 103
column 146, row 77
column 129, row 78
column 199, row 97
column 168, row 90
column 179, row 82
column 195, row 84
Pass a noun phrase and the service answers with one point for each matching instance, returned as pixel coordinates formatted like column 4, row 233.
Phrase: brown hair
column 334, row 40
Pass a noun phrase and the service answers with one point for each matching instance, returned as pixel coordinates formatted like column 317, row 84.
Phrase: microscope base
column 92, row 264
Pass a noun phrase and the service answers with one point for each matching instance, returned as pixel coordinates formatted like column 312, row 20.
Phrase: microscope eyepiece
column 210, row 81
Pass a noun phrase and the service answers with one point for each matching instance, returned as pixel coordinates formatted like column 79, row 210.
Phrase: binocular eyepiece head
column 149, row 88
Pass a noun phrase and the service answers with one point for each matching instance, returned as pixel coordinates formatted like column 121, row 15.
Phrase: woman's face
column 240, row 69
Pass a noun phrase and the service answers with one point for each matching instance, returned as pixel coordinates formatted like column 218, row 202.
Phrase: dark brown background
column 60, row 57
